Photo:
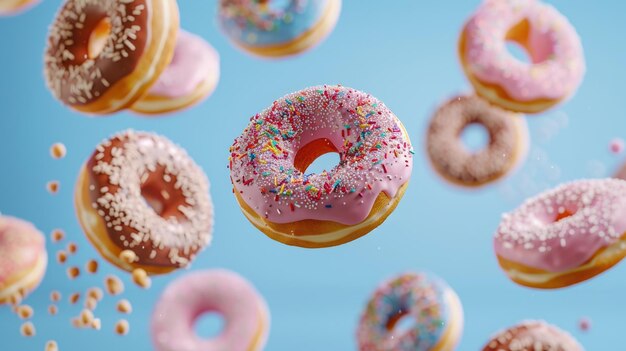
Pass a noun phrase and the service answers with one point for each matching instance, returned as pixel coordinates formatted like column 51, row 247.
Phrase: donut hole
column 98, row 38
column 160, row 193
column 529, row 46
column 209, row 325
column 475, row 137
column 563, row 215
column 518, row 51
column 316, row 157
column 401, row 322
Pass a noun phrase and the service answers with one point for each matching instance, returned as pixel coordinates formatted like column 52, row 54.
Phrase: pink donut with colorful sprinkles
column 557, row 62
column 268, row 165
column 566, row 235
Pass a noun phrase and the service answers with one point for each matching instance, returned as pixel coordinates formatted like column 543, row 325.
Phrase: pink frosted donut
column 566, row 235
column 191, row 76
column 268, row 165
column 557, row 66
column 23, row 259
column 245, row 313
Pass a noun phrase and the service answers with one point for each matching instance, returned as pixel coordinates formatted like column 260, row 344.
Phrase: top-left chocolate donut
column 103, row 55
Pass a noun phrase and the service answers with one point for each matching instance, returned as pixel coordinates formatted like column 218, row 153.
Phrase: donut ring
column 531, row 336
column 14, row 7
column 245, row 313
column 508, row 142
column 23, row 259
column 621, row 173
column 432, row 305
column 191, row 77
column 103, row 55
column 140, row 192
column 558, row 63
column 260, row 29
column 268, row 165
column 564, row 236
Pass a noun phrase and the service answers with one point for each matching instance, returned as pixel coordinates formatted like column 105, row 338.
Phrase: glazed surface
column 563, row 228
column 193, row 62
column 375, row 156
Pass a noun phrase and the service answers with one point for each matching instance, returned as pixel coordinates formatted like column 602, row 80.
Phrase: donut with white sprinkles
column 140, row 192
column 103, row 55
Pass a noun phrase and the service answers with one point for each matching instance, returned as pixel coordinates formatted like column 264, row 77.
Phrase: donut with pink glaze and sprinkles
column 431, row 305
column 557, row 62
column 268, row 165
column 565, row 235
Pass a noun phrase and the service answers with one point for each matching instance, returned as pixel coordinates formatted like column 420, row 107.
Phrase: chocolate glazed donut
column 103, row 55
column 142, row 193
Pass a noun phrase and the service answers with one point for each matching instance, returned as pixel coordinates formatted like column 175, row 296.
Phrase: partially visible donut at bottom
column 433, row 307
column 140, row 192
column 507, row 147
column 245, row 313
column 23, row 258
column 191, row 77
column 532, row 336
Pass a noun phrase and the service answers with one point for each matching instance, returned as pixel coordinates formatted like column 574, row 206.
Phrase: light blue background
column 403, row 52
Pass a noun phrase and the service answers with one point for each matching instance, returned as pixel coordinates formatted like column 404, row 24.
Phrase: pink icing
column 21, row 246
column 375, row 154
column 554, row 47
column 219, row 291
column 194, row 62
column 533, row 236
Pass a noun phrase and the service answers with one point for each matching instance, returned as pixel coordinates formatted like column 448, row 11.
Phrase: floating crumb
column 72, row 248
column 53, row 310
column 128, row 256
column 86, row 317
column 57, row 235
column 73, row 272
column 52, row 346
column 141, row 278
column 58, row 151
column 16, row 298
column 61, row 257
column 74, row 298
column 122, row 327
column 76, row 323
column 55, row 296
column 616, row 146
column 91, row 303
column 28, row 329
column 584, row 324
column 53, row 186
column 91, row 266
column 124, row 306
column 114, row 285
column 96, row 324
column 25, row 311
column 95, row 293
